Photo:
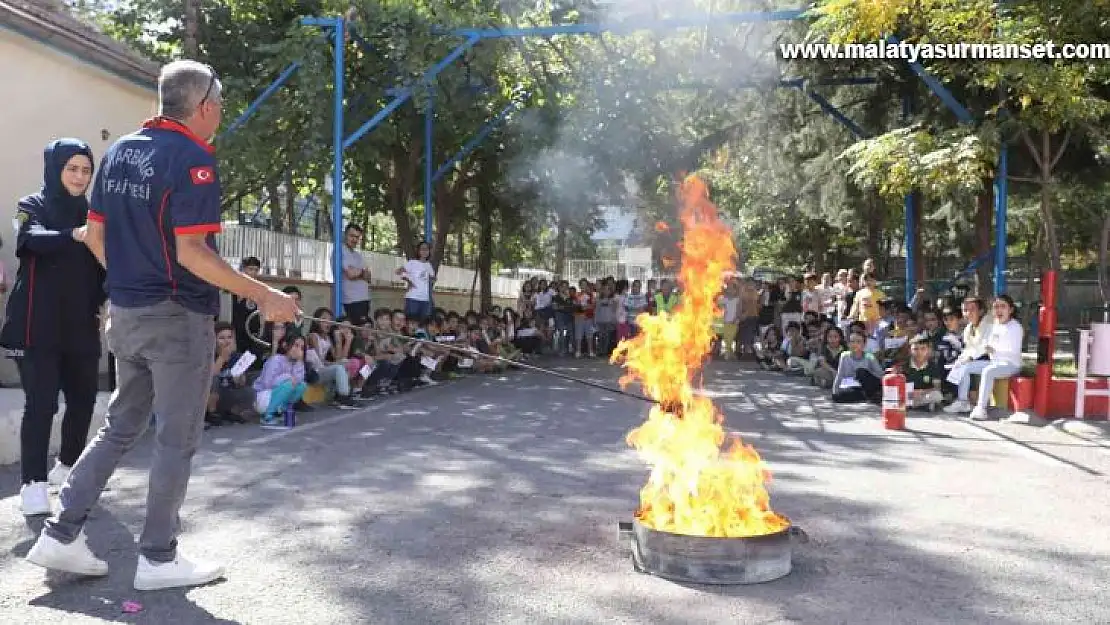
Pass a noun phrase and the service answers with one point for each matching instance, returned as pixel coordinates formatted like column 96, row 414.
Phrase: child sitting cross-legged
column 923, row 375
column 769, row 349
column 828, row 358
column 281, row 383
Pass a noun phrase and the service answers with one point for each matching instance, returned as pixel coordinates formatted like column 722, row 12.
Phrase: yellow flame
column 697, row 486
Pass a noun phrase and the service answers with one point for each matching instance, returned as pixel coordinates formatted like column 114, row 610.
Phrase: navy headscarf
column 59, row 209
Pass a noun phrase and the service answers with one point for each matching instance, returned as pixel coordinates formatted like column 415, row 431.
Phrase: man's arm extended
column 92, row 235
column 194, row 254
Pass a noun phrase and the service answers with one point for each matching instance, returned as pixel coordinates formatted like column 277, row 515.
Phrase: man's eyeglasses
column 211, row 83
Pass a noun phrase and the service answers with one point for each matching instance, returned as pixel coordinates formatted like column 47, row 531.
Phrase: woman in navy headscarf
column 52, row 327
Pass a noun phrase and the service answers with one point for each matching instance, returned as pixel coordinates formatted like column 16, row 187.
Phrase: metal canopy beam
column 474, row 35
column 631, row 26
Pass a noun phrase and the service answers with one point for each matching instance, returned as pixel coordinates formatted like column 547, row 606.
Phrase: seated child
column 479, row 346
column 282, row 382
column 859, row 377
column 795, row 356
column 828, row 358
column 923, row 375
column 320, row 358
column 769, row 348
column 230, row 399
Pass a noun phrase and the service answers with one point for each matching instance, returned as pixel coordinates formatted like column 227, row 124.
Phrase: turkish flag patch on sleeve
column 203, row 175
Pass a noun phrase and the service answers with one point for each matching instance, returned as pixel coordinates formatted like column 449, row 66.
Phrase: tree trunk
column 876, row 214
column 189, row 23
column 984, row 213
column 1050, row 239
column 460, row 243
column 291, row 216
column 561, row 249
column 277, row 214
column 918, row 222
column 486, row 206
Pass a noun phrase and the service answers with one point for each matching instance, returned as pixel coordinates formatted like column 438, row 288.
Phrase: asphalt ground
column 495, row 499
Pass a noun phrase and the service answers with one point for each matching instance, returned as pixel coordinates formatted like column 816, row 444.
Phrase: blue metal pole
column 911, row 220
column 911, row 245
column 429, row 164
column 406, row 93
column 337, row 173
column 938, row 88
column 631, row 26
column 1001, row 201
column 262, row 97
column 835, row 113
column 474, row 142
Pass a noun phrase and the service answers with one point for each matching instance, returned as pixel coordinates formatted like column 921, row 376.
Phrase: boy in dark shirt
column 923, row 375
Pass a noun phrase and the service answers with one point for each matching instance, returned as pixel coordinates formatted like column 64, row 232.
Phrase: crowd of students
column 392, row 351
column 845, row 338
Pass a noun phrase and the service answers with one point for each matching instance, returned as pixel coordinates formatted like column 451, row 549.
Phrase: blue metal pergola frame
column 337, row 28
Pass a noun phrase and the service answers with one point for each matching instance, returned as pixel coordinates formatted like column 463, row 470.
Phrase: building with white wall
column 60, row 78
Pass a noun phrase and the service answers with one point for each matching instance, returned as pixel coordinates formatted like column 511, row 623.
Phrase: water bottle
column 290, row 417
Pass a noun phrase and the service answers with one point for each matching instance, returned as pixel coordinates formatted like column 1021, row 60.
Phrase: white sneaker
column 980, row 414
column 72, row 558
column 959, row 406
column 34, row 499
column 179, row 573
column 427, row 379
column 58, row 474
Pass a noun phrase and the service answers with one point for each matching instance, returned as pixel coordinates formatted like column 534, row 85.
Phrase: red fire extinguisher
column 894, row 401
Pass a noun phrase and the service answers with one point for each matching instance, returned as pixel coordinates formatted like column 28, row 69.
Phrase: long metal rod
column 474, row 142
column 429, row 166
column 260, row 100
column 631, row 26
column 452, row 348
column 1001, row 202
column 911, row 208
column 337, row 173
column 835, row 113
column 406, row 92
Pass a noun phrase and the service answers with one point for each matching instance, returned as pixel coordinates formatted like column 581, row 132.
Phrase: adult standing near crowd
column 419, row 274
column 356, row 278
column 52, row 326
column 155, row 211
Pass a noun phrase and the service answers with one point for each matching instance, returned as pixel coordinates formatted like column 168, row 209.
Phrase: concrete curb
column 1085, row 428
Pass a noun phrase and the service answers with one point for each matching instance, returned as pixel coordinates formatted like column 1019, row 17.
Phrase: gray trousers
column 164, row 358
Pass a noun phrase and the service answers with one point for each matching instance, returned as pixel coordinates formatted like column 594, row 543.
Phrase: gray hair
column 182, row 86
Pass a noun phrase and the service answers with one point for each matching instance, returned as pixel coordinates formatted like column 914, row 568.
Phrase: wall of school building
column 53, row 94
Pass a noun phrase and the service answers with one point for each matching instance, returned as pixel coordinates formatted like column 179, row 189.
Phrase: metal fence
column 596, row 269
column 290, row 256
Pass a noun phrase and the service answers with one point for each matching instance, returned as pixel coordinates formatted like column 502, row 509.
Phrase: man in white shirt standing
column 356, row 278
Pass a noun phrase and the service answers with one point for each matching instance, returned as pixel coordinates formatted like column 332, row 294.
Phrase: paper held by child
column 240, row 367
column 895, row 342
column 847, row 383
column 429, row 363
column 957, row 373
column 366, row 370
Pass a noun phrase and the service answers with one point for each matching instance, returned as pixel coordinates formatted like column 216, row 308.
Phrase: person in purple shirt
column 154, row 213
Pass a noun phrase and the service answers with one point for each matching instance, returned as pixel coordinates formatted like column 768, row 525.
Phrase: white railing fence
column 597, row 269
column 290, row 256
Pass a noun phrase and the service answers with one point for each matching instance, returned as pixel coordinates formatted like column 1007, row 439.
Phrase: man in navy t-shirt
column 154, row 214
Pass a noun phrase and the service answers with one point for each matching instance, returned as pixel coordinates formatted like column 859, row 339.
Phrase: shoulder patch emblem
column 22, row 216
column 203, row 175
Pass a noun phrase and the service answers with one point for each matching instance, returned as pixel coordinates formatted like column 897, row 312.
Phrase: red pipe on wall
column 1046, row 343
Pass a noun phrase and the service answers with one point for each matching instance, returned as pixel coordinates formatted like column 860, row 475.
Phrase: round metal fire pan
column 712, row 560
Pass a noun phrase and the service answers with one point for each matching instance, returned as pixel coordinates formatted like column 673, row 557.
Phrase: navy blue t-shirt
column 152, row 185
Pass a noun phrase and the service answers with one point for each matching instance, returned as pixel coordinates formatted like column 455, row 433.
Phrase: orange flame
column 696, row 486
